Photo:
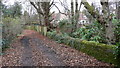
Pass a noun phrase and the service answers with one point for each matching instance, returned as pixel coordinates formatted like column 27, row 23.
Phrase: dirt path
column 36, row 50
column 48, row 52
column 26, row 58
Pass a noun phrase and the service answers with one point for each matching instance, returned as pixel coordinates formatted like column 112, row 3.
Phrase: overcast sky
column 26, row 5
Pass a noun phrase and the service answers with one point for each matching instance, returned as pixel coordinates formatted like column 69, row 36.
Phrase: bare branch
column 37, row 8
column 64, row 6
column 80, row 6
column 59, row 10
column 40, row 8
column 32, row 3
column 51, row 13
column 51, row 20
column 52, row 3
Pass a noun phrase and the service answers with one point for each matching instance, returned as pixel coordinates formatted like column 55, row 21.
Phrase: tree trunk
column 43, row 9
column 76, row 14
column 109, row 30
column 118, row 12
column 72, row 15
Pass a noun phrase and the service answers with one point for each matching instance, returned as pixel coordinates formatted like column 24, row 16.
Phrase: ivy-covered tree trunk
column 119, row 22
column 72, row 15
column 109, row 27
column 118, row 37
column 76, row 14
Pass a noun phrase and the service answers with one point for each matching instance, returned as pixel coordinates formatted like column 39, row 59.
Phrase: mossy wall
column 100, row 51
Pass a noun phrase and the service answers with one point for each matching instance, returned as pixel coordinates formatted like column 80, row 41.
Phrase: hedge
column 100, row 51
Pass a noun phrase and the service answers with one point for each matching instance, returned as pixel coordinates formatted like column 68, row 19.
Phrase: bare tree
column 43, row 9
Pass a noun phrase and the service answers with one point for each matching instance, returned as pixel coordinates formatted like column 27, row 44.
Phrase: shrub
column 117, row 53
column 117, row 30
column 91, row 32
column 65, row 26
column 11, row 27
column 100, row 51
column 63, row 23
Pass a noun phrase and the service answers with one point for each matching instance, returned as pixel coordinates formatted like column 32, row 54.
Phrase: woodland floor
column 34, row 49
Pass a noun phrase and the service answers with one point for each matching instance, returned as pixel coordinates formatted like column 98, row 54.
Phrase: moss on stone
column 100, row 51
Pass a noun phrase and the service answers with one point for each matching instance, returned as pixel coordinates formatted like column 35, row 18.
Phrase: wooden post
column 45, row 30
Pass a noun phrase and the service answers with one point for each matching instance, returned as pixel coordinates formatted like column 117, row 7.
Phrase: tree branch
column 64, row 6
column 52, row 3
column 37, row 8
column 51, row 14
column 32, row 3
column 80, row 6
column 59, row 10
column 95, row 14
